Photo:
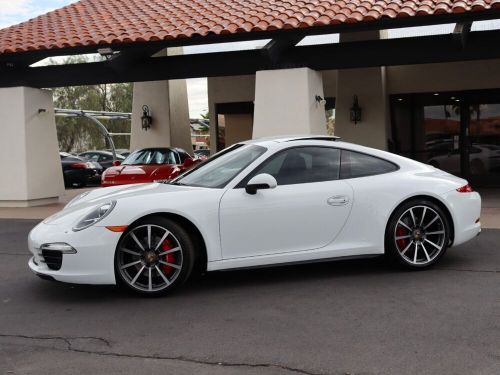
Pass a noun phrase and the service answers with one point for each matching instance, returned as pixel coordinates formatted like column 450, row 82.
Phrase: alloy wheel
column 420, row 235
column 150, row 258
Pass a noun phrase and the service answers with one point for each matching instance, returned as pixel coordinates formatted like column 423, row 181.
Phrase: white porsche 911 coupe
column 256, row 203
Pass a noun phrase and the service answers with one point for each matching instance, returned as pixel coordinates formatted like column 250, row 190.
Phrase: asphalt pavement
column 345, row 317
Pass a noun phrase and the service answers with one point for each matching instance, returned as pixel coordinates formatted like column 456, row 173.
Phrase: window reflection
column 484, row 136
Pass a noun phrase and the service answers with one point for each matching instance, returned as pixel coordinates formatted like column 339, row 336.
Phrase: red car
column 148, row 165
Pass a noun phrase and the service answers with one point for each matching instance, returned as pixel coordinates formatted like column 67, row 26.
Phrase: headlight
column 77, row 198
column 97, row 214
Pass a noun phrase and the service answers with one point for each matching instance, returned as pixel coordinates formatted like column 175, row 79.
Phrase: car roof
column 290, row 138
column 281, row 142
column 161, row 149
column 98, row 151
column 102, row 152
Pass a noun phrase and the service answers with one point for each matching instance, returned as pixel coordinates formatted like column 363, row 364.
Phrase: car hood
column 100, row 196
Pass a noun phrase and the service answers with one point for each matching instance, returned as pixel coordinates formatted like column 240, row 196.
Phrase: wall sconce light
column 146, row 119
column 320, row 100
column 355, row 111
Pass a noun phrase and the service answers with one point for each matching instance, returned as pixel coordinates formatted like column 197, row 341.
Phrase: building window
column 458, row 132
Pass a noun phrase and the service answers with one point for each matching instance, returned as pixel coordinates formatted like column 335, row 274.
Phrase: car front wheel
column 417, row 234
column 154, row 257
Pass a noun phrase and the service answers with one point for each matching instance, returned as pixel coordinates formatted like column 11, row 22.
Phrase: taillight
column 79, row 165
column 465, row 189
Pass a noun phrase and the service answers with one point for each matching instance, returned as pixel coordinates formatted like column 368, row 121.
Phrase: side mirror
column 259, row 182
column 117, row 163
column 188, row 163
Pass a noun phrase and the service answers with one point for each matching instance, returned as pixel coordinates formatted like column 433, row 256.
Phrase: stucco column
column 168, row 103
column 285, row 103
column 369, row 84
column 28, row 146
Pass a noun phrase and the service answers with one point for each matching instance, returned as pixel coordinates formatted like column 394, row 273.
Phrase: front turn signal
column 117, row 228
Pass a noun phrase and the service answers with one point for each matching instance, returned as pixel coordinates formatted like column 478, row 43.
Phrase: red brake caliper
column 169, row 258
column 402, row 243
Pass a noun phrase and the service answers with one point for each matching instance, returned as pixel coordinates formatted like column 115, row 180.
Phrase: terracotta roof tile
column 105, row 22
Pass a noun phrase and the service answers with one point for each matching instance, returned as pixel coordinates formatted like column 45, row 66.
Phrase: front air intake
column 53, row 259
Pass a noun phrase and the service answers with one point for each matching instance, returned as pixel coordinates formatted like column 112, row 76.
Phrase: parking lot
column 346, row 317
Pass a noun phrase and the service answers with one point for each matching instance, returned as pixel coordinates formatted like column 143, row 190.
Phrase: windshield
column 156, row 156
column 217, row 171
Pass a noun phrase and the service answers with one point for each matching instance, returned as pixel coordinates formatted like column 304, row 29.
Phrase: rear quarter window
column 355, row 164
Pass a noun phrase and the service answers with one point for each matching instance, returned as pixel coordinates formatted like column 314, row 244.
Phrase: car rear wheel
column 418, row 234
column 154, row 257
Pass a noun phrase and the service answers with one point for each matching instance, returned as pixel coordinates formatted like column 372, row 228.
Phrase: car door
column 306, row 211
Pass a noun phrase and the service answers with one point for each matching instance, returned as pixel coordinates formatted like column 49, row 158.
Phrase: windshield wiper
column 175, row 183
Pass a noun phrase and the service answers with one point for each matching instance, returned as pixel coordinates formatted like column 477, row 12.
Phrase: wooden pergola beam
column 385, row 52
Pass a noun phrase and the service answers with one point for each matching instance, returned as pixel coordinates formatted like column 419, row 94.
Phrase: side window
column 355, row 164
column 104, row 158
column 92, row 157
column 183, row 155
column 171, row 158
column 302, row 165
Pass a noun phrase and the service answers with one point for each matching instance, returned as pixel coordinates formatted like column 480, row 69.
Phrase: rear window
column 355, row 164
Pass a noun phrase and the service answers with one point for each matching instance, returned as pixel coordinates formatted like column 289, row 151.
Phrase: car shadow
column 219, row 281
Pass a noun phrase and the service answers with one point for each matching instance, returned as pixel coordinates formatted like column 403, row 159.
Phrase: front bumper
column 93, row 263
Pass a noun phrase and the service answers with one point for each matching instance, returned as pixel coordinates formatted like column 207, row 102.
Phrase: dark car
column 79, row 172
column 104, row 158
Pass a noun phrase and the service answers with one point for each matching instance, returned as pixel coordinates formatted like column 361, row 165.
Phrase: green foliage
column 80, row 134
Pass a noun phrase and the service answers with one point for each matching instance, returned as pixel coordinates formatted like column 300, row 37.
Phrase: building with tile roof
column 420, row 78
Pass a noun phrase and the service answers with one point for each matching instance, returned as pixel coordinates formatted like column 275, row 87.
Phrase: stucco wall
column 466, row 75
column 238, row 128
column 29, row 144
column 168, row 103
column 330, row 83
column 369, row 85
column 373, row 87
column 227, row 90
column 285, row 103
column 180, row 131
column 156, row 96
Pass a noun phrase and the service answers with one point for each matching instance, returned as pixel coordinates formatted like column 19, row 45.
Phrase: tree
column 79, row 134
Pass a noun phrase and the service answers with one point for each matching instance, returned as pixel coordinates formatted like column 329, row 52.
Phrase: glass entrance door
column 458, row 132
column 441, row 130
column 484, row 143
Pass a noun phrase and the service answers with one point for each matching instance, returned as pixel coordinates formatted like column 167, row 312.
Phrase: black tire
column 412, row 242
column 179, row 237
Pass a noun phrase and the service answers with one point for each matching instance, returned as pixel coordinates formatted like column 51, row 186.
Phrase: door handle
column 338, row 200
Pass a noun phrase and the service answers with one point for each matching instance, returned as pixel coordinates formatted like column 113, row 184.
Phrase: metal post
column 93, row 116
column 105, row 132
